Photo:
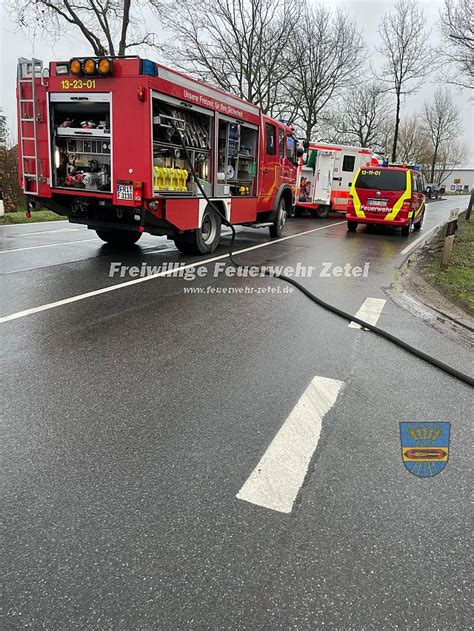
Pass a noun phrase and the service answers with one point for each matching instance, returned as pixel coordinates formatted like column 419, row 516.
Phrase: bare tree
column 407, row 55
column 327, row 49
column 457, row 28
column 110, row 27
column 451, row 154
column 238, row 45
column 362, row 117
column 442, row 120
column 414, row 146
column 9, row 187
column 3, row 130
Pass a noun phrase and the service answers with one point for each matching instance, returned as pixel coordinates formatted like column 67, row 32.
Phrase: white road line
column 276, row 480
column 33, row 223
column 160, row 251
column 414, row 243
column 135, row 281
column 370, row 311
column 47, row 245
column 29, row 269
column 29, row 234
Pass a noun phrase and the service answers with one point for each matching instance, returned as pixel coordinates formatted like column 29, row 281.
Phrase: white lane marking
column 29, row 234
column 276, row 480
column 29, row 269
column 414, row 243
column 33, row 223
column 47, row 245
column 160, row 251
column 144, row 279
column 370, row 311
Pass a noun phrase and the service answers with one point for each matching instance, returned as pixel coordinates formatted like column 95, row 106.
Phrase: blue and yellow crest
column 425, row 447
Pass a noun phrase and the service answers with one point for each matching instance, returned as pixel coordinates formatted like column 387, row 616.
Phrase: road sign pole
column 469, row 206
column 449, row 238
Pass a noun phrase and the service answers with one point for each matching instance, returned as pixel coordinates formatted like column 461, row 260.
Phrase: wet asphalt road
column 132, row 418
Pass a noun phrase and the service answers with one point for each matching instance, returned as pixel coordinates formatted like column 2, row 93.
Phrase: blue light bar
column 148, row 67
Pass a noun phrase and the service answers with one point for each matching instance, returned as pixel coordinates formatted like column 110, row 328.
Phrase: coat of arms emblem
column 425, row 447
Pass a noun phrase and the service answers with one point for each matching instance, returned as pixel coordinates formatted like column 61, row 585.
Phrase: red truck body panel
column 131, row 98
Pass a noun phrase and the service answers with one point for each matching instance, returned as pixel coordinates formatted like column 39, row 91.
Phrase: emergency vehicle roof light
column 75, row 66
column 104, row 66
column 148, row 67
column 89, row 66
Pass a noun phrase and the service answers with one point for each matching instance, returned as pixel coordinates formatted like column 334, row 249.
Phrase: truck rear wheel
column 352, row 226
column 279, row 222
column 321, row 212
column 119, row 237
column 205, row 239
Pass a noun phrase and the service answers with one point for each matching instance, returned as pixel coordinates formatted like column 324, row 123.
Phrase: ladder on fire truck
column 28, row 71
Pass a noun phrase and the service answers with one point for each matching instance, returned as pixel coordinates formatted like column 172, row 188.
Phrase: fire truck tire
column 279, row 222
column 321, row 212
column 205, row 239
column 406, row 231
column 119, row 237
column 352, row 226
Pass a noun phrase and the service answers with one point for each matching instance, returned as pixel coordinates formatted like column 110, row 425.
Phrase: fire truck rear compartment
column 236, row 170
column 81, row 143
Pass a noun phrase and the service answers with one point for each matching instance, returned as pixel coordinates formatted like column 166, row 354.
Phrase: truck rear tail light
column 137, row 192
column 350, row 203
column 78, row 178
column 141, row 93
column 69, row 180
column 407, row 204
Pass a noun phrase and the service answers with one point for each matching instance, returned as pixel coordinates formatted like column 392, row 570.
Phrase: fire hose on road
column 457, row 374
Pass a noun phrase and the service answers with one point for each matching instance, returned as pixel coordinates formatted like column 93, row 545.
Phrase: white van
column 325, row 175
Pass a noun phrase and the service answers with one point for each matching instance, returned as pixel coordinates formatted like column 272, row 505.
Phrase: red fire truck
column 125, row 145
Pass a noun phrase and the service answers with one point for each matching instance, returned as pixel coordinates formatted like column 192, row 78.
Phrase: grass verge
column 36, row 215
column 457, row 281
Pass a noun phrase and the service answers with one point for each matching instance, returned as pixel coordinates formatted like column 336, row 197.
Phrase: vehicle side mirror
column 299, row 152
column 305, row 144
column 442, row 190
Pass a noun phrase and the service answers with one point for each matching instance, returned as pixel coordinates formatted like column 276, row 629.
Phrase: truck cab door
column 323, row 177
column 269, row 168
column 291, row 160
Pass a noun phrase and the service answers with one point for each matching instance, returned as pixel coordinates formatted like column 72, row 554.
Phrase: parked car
column 433, row 191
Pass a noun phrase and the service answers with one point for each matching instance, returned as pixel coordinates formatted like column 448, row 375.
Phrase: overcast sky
column 366, row 13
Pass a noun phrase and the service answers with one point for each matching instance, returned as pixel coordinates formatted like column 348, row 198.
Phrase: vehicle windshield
column 381, row 180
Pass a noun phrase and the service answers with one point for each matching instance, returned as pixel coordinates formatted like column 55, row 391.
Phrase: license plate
column 377, row 202
column 125, row 192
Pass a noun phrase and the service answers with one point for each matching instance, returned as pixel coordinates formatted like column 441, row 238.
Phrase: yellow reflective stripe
column 353, row 192
column 399, row 203
column 418, row 212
